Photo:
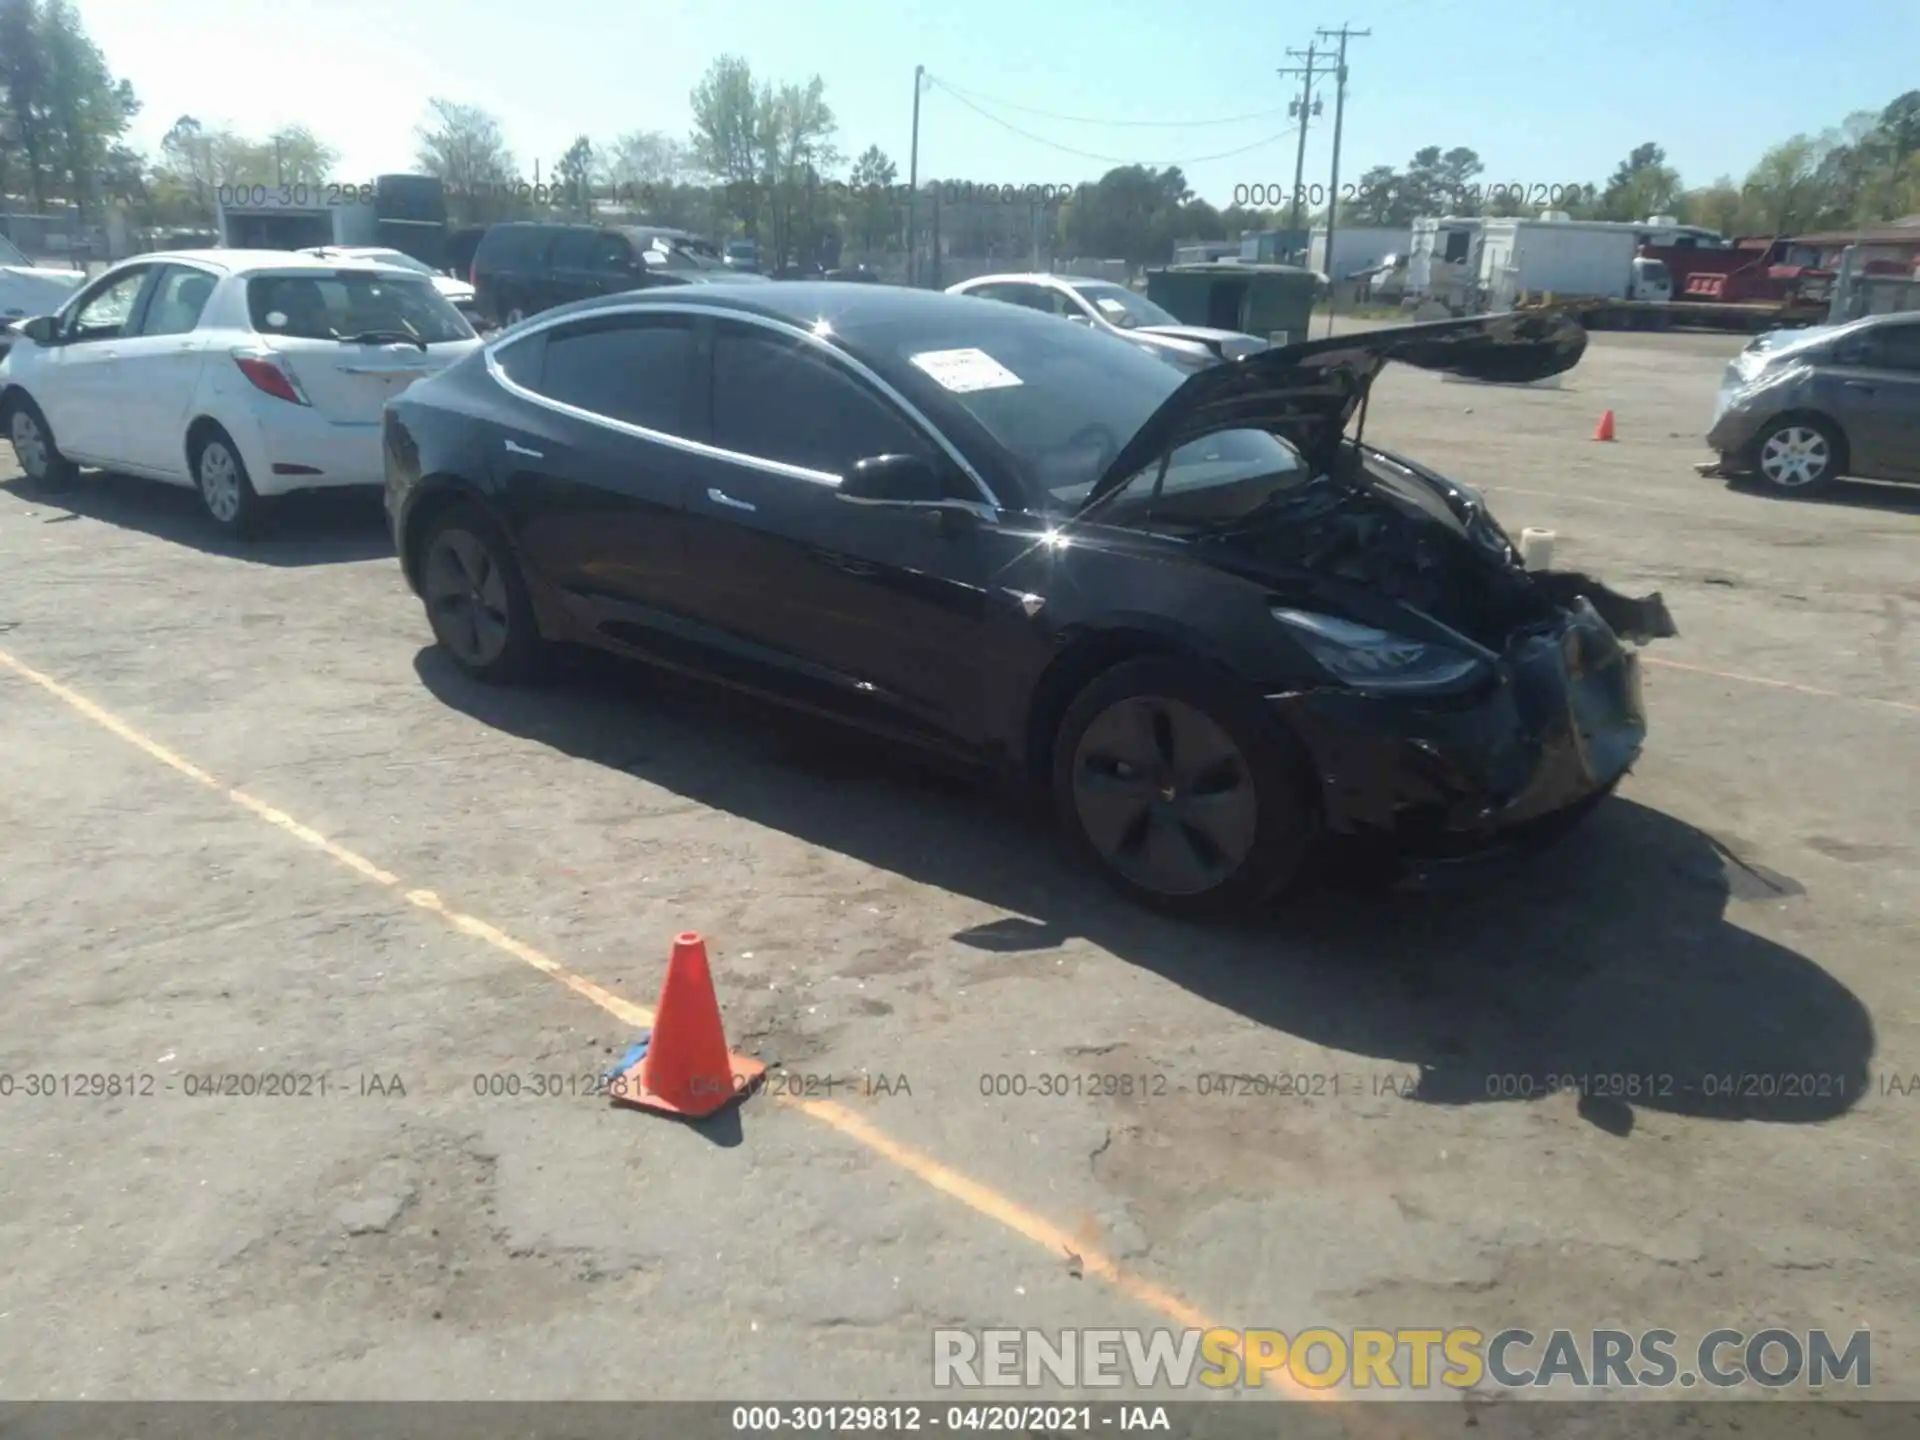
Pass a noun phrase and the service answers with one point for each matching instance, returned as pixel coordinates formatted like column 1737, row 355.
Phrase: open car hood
column 1306, row 394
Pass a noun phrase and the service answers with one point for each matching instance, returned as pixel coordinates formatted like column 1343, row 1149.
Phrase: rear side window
column 518, row 246
column 782, row 400
column 640, row 370
column 344, row 304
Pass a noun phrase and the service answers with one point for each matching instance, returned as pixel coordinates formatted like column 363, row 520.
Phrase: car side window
column 636, row 369
column 180, row 295
column 103, row 315
column 1065, row 304
column 1891, row 347
column 523, row 360
column 781, row 399
column 612, row 252
column 573, row 250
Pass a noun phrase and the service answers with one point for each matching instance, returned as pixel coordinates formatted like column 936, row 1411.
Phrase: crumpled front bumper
column 1453, row 778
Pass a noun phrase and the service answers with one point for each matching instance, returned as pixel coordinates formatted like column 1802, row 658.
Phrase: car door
column 83, row 389
column 570, row 264
column 871, row 611
column 161, row 361
column 614, row 267
column 592, row 466
column 1874, row 385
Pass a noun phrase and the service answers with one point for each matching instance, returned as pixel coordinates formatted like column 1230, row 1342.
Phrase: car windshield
column 10, row 253
column 1061, row 401
column 323, row 306
column 1123, row 307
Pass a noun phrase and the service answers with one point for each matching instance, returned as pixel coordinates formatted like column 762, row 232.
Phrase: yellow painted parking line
column 1793, row 685
column 982, row 1199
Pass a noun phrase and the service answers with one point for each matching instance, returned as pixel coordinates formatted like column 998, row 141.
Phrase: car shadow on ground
column 316, row 527
column 1849, row 494
column 1608, row 963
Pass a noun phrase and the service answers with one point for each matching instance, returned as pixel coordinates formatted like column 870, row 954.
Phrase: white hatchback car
column 243, row 373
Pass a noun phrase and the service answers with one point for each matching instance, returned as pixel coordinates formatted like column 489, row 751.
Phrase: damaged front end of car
column 1468, row 704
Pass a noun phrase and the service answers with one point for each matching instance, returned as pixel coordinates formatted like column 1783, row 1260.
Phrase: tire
column 225, row 489
column 35, row 448
column 1797, row 455
column 1221, row 833
column 476, row 599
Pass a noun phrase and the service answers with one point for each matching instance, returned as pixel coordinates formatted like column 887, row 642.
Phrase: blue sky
column 1545, row 92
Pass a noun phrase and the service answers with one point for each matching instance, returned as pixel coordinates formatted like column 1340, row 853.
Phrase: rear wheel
column 1797, row 456
column 225, row 489
column 34, row 447
column 1181, row 789
column 476, row 599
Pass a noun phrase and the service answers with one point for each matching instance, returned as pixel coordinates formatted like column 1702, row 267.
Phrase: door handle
column 720, row 497
column 513, row 449
column 109, row 354
column 850, row 565
column 1861, row 385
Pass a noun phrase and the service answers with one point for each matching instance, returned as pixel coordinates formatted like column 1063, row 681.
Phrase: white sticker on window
column 1111, row 305
column 277, row 319
column 964, row 370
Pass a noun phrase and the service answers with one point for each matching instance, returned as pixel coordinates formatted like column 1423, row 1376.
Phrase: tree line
column 764, row 159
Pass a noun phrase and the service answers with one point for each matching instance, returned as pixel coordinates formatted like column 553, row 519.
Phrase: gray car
column 1800, row 408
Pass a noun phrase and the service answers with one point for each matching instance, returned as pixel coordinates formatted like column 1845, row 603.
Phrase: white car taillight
column 267, row 375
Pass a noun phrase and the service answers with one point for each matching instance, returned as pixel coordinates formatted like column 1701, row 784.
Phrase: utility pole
column 913, row 182
column 1343, row 34
column 1301, row 109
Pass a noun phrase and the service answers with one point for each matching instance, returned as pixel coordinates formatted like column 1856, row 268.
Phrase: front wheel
column 34, row 447
column 1182, row 790
column 476, row 599
column 1798, row 456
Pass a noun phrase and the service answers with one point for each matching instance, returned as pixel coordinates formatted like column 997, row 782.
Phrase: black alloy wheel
column 1181, row 790
column 476, row 600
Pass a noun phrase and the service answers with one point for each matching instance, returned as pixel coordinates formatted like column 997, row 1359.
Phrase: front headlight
column 1371, row 659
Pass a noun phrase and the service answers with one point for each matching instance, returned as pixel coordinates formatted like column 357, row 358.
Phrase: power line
column 1108, row 159
column 1090, row 120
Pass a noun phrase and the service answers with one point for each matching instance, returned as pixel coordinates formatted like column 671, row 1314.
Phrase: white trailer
column 1522, row 258
column 1443, row 258
column 1592, row 267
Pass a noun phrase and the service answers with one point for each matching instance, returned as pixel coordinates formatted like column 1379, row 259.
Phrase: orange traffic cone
column 1604, row 430
column 687, row 1069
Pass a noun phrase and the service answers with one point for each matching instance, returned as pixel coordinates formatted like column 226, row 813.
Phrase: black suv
column 524, row 267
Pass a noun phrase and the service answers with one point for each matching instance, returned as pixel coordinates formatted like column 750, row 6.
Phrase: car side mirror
column 42, row 329
column 892, row 480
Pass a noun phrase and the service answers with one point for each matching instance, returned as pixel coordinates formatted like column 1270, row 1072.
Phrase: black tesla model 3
column 1226, row 634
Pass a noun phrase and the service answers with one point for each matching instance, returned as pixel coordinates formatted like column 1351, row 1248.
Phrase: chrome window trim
column 715, row 452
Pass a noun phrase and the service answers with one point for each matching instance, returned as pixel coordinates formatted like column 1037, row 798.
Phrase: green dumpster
column 1274, row 302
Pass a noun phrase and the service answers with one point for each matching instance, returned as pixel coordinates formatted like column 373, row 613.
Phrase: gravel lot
column 257, row 827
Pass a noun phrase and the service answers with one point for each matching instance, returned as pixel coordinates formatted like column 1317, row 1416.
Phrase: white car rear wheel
column 225, row 490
